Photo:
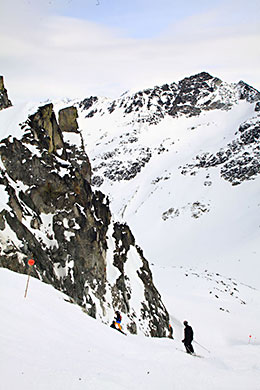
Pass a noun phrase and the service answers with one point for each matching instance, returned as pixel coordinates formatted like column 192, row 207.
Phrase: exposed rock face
column 116, row 170
column 68, row 119
column 4, row 101
column 44, row 121
column 239, row 161
column 53, row 215
column 193, row 96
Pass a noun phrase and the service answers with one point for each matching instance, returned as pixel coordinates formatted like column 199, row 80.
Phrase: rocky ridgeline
column 189, row 97
column 53, row 215
column 4, row 101
column 239, row 161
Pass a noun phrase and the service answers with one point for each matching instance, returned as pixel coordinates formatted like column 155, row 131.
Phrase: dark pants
column 189, row 347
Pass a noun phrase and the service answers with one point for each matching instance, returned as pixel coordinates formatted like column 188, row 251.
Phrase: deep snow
column 48, row 343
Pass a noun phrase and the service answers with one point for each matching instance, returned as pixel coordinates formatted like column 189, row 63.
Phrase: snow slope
column 180, row 214
column 48, row 343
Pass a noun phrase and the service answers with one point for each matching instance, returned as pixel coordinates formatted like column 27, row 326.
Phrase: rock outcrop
column 4, row 101
column 239, row 160
column 53, row 215
column 68, row 119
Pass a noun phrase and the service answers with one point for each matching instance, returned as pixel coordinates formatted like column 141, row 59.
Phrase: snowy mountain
column 93, row 190
column 172, row 168
column 180, row 163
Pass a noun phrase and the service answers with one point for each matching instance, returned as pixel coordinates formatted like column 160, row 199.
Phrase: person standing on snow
column 188, row 337
column 116, row 324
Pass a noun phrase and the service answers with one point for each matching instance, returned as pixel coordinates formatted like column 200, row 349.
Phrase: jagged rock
column 88, row 102
column 170, row 213
column 46, row 128
column 4, row 101
column 257, row 107
column 117, row 171
column 247, row 92
column 239, row 161
column 197, row 209
column 185, row 109
column 68, row 119
column 97, row 181
column 55, row 217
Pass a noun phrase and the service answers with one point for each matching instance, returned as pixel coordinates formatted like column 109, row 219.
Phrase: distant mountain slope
column 181, row 164
column 190, row 96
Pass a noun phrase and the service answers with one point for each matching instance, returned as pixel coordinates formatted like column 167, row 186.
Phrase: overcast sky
column 78, row 48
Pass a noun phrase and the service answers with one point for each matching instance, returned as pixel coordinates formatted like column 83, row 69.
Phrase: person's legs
column 189, row 348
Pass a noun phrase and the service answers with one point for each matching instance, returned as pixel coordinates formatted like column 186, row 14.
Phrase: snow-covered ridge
column 190, row 96
column 122, row 148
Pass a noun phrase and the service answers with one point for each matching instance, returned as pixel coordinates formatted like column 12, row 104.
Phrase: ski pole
column 202, row 346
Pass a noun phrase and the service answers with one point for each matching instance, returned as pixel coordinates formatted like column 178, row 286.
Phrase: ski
column 191, row 354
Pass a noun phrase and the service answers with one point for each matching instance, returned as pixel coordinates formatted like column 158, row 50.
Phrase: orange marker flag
column 30, row 263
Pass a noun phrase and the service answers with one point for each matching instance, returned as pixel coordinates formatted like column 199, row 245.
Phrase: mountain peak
column 189, row 97
column 247, row 92
column 202, row 76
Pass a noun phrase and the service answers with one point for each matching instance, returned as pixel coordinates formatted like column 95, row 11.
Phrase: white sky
column 78, row 48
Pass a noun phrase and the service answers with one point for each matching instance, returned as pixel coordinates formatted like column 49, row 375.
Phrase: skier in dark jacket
column 188, row 337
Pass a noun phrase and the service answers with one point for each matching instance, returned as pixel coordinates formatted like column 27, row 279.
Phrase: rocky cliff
column 50, row 212
column 4, row 101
